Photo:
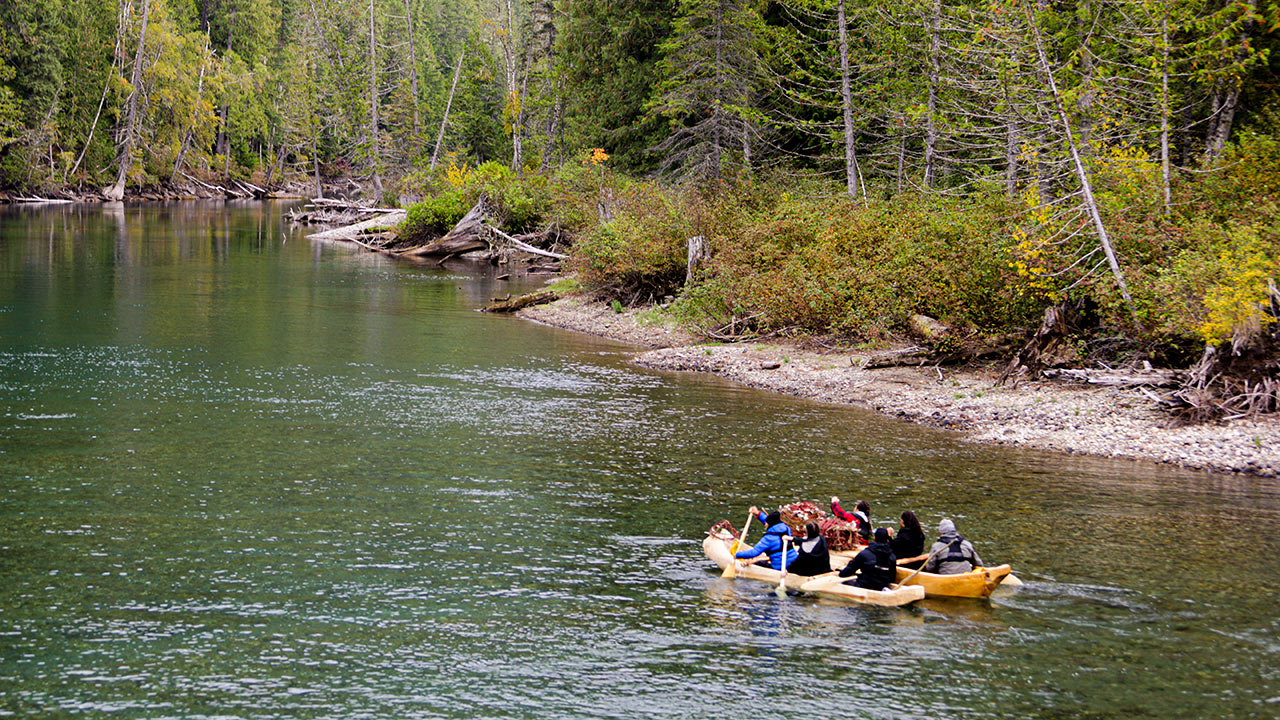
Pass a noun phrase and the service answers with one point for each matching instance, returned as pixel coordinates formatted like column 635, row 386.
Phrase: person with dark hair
column 875, row 567
column 812, row 557
column 861, row 517
column 909, row 541
column 771, row 543
column 952, row 554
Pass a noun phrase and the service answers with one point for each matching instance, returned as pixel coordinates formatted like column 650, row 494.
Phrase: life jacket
column 954, row 552
column 886, row 569
column 882, row 572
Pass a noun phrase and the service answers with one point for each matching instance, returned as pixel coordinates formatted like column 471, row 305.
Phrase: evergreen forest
column 1105, row 170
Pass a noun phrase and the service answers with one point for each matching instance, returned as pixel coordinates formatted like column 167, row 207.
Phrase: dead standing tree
column 115, row 191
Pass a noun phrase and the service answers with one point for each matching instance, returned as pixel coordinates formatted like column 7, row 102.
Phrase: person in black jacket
column 876, row 566
column 813, row 557
column 909, row 541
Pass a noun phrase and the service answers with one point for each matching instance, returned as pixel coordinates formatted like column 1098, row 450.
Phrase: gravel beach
column 1050, row 415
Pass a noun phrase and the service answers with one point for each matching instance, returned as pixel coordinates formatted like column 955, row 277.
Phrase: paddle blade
column 730, row 570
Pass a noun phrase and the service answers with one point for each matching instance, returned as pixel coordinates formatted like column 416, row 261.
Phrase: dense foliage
column 849, row 162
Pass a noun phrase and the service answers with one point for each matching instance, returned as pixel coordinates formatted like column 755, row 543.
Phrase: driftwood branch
column 1147, row 378
column 537, row 298
column 525, row 247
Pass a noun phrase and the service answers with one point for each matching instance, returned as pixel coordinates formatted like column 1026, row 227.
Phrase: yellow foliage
column 597, row 157
column 1239, row 302
column 457, row 175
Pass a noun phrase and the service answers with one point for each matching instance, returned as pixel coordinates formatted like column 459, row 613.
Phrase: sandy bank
column 1073, row 418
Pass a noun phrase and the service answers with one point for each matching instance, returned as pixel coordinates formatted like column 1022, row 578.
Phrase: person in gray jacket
column 952, row 554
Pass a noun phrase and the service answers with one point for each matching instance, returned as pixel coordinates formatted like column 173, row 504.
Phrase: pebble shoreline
column 1049, row 415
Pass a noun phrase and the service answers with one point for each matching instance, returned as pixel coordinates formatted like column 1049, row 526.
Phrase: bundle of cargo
column 840, row 535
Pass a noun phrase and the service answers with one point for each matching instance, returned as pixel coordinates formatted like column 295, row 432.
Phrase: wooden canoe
column 977, row 583
column 717, row 549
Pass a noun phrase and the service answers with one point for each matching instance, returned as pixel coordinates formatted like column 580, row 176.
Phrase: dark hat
column 882, row 534
column 774, row 518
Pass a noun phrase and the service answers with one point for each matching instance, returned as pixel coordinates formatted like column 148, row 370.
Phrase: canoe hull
column 717, row 550
column 977, row 583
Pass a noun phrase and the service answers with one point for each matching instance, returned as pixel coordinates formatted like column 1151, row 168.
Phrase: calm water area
column 246, row 474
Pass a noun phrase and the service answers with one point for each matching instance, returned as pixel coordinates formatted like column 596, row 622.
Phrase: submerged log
column 536, row 298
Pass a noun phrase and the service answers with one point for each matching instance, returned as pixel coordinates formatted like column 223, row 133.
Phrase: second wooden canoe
column 977, row 583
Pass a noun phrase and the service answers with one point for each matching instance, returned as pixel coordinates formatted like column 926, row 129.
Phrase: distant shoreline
column 1057, row 416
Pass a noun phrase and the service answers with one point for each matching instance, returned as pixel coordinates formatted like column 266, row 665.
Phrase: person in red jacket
column 861, row 516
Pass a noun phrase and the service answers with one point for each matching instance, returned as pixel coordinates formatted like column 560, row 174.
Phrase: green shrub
column 829, row 265
column 640, row 254
column 434, row 216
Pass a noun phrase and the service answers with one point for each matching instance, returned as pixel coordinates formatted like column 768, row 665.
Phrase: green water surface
column 245, row 474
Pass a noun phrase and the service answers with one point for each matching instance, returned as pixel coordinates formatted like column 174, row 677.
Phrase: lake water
column 245, row 474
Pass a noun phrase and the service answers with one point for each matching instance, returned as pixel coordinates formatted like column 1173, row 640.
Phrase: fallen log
column 914, row 356
column 350, row 232
column 40, row 200
column 466, row 236
column 1136, row 378
column 536, row 298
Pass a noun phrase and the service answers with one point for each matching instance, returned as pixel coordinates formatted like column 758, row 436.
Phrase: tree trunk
column 1085, row 186
column 846, row 105
column 435, row 154
column 517, row 128
column 223, row 144
column 413, row 70
column 116, row 190
column 374, row 150
column 1011, row 150
column 1084, row 101
column 1167, row 198
column 718, row 107
column 1225, row 112
column 553, row 124
column 315, row 159
column 466, row 236
column 186, row 137
column 931, row 129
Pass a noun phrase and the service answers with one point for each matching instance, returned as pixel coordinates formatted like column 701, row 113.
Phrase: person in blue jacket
column 771, row 543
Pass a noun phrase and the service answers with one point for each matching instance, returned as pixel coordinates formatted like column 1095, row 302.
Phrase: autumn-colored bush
column 639, row 254
column 830, row 265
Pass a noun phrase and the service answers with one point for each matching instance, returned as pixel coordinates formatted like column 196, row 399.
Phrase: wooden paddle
column 781, row 591
column 917, row 572
column 731, row 570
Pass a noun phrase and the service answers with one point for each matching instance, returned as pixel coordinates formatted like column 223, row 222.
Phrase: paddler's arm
column 977, row 561
column 839, row 511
